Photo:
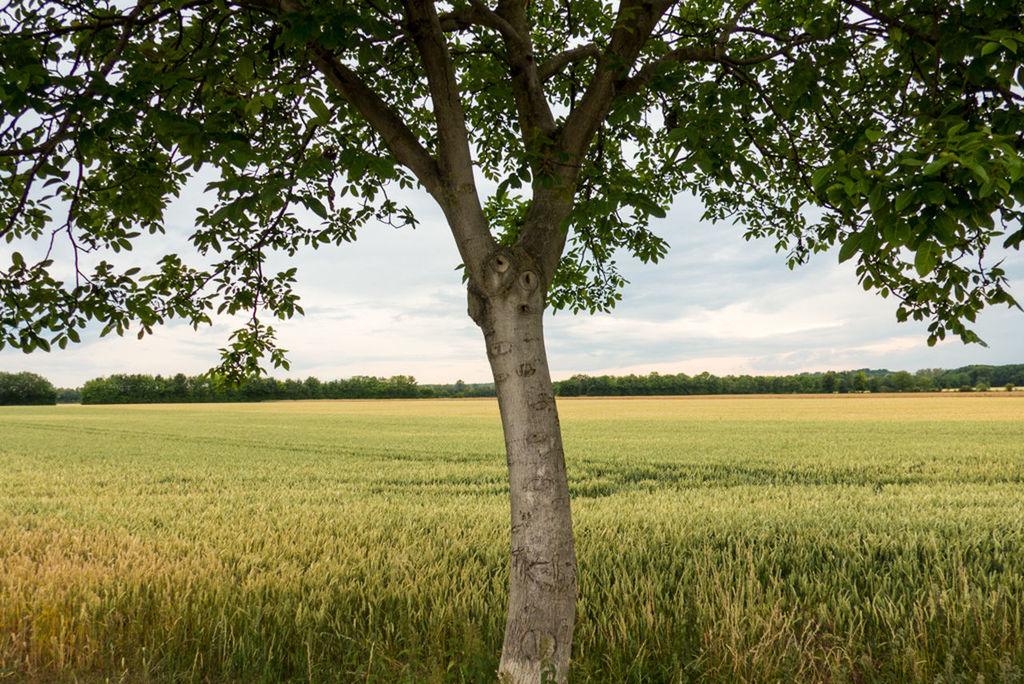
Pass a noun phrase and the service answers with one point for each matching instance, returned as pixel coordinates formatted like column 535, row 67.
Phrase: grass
column 752, row 539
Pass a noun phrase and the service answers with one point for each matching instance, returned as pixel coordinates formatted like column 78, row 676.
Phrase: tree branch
column 731, row 27
column 454, row 157
column 559, row 62
column 474, row 14
column 890, row 20
column 711, row 55
column 402, row 142
column 449, row 177
column 535, row 117
column 633, row 27
column 47, row 148
column 543, row 234
column 459, row 200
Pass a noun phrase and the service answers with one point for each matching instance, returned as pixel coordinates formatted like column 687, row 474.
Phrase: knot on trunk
column 510, row 281
column 508, row 269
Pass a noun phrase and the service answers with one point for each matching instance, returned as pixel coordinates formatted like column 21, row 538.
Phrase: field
column 842, row 538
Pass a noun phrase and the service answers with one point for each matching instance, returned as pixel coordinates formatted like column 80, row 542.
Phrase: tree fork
column 509, row 309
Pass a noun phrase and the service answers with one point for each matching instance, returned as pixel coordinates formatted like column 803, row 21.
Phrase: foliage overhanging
column 891, row 130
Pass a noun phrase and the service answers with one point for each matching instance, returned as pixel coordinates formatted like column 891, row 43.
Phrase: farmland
column 840, row 538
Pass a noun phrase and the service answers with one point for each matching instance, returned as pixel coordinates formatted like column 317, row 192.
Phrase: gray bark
column 542, row 585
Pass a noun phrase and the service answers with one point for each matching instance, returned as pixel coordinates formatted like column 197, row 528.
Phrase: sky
column 392, row 303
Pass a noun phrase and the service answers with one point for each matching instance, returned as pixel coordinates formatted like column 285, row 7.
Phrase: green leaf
column 246, row 70
column 877, row 198
column 924, row 259
column 936, row 194
column 873, row 135
column 978, row 170
column 316, row 206
column 937, row 165
column 323, row 114
column 677, row 134
column 647, row 205
column 820, row 177
column 1015, row 240
column 818, row 27
column 986, row 189
column 903, row 200
column 850, row 246
column 254, row 106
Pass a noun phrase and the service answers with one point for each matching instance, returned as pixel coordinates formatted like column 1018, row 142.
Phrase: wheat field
column 836, row 538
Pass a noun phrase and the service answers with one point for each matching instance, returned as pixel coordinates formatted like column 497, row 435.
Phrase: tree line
column 148, row 389
column 32, row 389
column 864, row 380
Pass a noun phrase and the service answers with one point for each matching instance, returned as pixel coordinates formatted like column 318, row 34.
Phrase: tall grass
column 784, row 539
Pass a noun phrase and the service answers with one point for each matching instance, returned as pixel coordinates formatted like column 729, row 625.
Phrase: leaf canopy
column 891, row 130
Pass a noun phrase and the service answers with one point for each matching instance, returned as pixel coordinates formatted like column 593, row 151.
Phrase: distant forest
column 28, row 388
column 146, row 389
column 967, row 378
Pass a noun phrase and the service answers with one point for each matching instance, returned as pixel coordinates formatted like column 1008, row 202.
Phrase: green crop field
column 843, row 538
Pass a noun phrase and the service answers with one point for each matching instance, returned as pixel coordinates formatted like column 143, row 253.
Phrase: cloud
column 737, row 321
column 427, row 335
column 392, row 303
column 889, row 346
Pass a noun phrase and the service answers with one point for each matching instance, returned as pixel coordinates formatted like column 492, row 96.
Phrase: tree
column 901, row 381
column 898, row 124
column 859, row 382
column 26, row 389
column 829, row 382
column 179, row 388
column 69, row 395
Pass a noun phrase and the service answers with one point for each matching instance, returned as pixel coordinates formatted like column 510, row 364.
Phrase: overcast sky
column 392, row 303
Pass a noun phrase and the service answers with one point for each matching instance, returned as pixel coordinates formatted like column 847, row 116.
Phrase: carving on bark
column 538, row 644
column 538, row 484
column 525, row 370
column 541, row 402
column 500, row 349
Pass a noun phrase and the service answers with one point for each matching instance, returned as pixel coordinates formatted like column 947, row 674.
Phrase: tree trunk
column 542, row 586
